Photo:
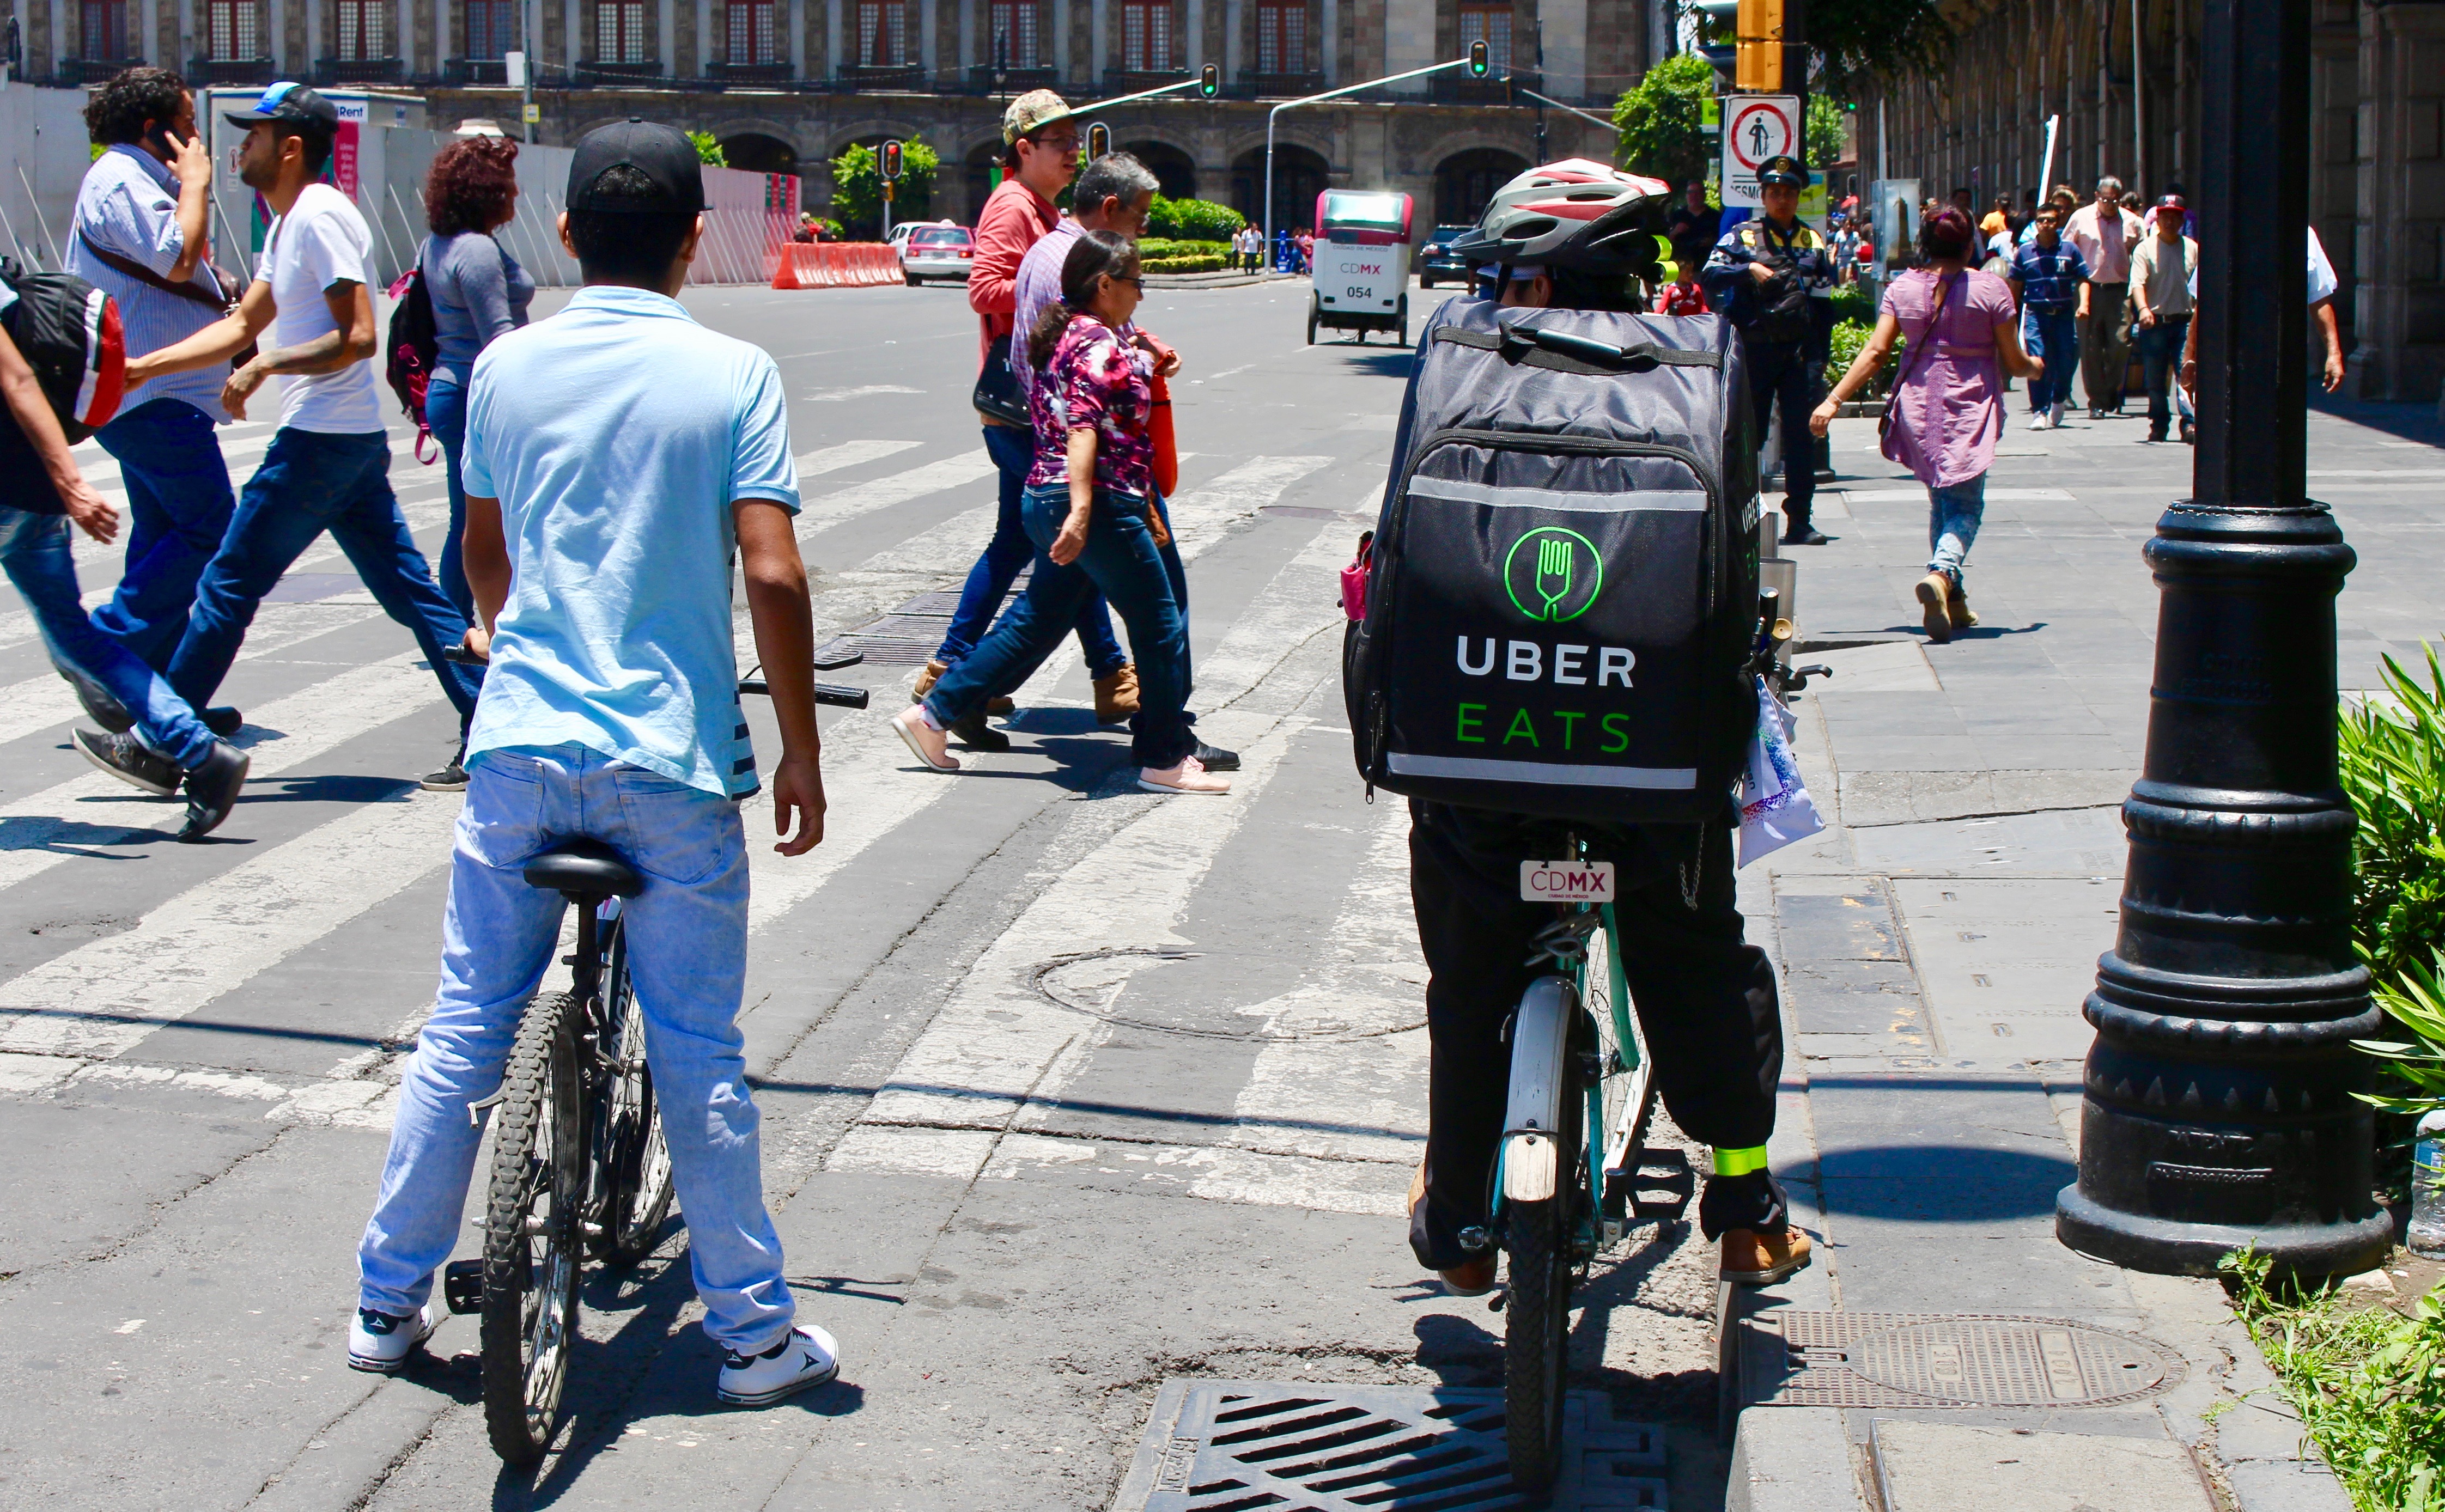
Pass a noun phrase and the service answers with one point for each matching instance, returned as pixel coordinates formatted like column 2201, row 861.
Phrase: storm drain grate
column 1796, row 1359
column 1297, row 1447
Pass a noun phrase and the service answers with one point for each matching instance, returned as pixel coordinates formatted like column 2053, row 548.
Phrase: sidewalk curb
column 1791, row 1459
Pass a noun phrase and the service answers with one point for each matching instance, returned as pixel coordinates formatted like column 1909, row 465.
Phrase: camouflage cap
column 1030, row 112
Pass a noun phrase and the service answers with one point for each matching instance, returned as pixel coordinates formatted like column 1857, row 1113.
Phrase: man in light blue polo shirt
column 617, row 453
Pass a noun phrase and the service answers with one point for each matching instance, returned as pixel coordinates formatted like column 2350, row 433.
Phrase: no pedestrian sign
column 1756, row 127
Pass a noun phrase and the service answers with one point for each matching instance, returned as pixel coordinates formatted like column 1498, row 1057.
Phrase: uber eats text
column 1551, row 729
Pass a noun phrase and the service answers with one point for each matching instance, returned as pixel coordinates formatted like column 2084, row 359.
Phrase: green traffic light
column 1210, row 81
column 1478, row 62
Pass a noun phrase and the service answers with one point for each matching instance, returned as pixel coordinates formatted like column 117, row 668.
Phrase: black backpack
column 413, row 345
column 1563, row 589
column 67, row 331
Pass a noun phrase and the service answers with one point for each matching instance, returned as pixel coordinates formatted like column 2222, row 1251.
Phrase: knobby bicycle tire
column 635, row 1163
column 1536, row 1314
column 531, row 1279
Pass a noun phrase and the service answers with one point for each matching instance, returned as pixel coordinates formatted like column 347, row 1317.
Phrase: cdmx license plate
column 1567, row 880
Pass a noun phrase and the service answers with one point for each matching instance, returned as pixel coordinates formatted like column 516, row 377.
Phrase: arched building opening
column 1174, row 169
column 1298, row 177
column 978, row 177
column 1467, row 181
column 759, row 153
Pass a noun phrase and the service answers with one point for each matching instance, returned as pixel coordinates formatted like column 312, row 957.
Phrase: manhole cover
column 1225, row 1446
column 1904, row 1359
column 1091, row 982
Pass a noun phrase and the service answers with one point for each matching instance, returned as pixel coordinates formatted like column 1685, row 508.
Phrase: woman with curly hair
column 479, row 290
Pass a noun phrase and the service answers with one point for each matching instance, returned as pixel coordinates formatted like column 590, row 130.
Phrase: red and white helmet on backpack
column 1576, row 214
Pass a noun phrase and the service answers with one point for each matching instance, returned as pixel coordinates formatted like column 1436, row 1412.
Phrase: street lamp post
column 2218, row 1105
column 1476, row 62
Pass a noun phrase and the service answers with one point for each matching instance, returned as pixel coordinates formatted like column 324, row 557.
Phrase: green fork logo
column 1553, row 574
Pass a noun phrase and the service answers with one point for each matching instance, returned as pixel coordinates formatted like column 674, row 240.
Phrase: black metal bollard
column 2218, row 1108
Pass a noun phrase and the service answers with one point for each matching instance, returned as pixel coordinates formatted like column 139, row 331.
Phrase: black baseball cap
column 1782, row 168
column 663, row 154
column 291, row 102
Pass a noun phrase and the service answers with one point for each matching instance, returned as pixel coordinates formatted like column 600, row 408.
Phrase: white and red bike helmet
column 1576, row 214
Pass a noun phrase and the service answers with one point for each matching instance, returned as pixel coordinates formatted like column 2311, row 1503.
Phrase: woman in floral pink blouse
column 1089, row 511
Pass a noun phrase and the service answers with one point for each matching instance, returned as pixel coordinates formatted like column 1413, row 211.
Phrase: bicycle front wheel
column 532, row 1240
column 636, row 1163
column 1537, row 1315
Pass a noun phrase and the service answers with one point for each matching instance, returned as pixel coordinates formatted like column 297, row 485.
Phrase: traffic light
column 1478, row 60
column 1759, row 26
column 1717, row 13
column 1099, row 141
column 892, row 160
column 1210, row 81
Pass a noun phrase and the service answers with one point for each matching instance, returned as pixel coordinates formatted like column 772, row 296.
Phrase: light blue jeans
column 1952, row 517
column 687, row 958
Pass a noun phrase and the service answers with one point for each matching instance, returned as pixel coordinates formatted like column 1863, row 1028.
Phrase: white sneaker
column 808, row 1357
column 2058, row 415
column 2041, row 420
column 381, row 1343
column 1189, row 776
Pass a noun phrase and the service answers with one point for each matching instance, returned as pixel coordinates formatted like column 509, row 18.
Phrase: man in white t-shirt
column 310, row 309
column 2105, row 233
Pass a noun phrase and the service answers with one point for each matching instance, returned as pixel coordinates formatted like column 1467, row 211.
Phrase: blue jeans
column 687, row 959
column 1014, row 452
column 178, row 505
column 34, row 553
column 2160, row 352
column 310, row 482
column 2053, row 334
column 445, row 415
column 1143, row 581
column 1952, row 518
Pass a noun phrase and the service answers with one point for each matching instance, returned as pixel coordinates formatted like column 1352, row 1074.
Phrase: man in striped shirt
column 142, row 238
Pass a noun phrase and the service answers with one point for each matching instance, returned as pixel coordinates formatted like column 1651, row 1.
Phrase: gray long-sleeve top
column 478, row 292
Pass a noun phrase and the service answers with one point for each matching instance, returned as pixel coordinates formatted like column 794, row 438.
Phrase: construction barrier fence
column 834, row 264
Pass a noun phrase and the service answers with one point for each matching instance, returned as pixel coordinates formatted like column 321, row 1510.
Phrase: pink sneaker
column 931, row 747
column 1189, row 776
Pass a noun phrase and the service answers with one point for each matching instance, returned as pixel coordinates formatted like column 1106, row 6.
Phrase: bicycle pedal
column 1495, row 1303
column 463, row 1285
column 1664, row 1169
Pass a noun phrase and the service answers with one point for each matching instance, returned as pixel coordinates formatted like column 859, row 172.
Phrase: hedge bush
column 1198, row 263
column 1154, row 247
column 1192, row 220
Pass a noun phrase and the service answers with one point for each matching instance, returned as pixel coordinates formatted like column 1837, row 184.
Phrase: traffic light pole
column 2218, row 1105
column 1476, row 62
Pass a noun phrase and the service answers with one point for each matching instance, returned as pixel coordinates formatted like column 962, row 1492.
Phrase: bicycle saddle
column 584, row 866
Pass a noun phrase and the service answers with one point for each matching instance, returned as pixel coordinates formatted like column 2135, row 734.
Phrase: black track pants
column 1705, row 997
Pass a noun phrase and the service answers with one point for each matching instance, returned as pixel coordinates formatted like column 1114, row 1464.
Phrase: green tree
column 857, row 186
column 1825, row 132
column 708, row 149
column 1658, row 121
column 1885, row 37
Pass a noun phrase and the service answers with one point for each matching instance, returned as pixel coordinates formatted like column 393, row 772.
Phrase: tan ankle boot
column 926, row 680
column 1116, row 697
column 1933, row 590
column 1957, row 610
column 1751, row 1259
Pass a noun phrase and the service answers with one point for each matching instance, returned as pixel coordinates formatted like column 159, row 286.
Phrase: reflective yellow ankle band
column 1740, row 1161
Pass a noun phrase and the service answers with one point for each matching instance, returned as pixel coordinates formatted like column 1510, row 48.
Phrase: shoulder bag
column 997, row 395
column 1910, row 362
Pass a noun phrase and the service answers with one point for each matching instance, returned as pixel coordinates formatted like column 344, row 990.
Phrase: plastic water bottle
column 2427, row 1236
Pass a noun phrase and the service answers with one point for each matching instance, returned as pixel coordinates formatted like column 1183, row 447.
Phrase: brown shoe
column 1474, row 1277
column 1933, row 590
column 1002, row 707
column 1116, row 697
column 1754, row 1260
column 926, row 680
column 1957, row 610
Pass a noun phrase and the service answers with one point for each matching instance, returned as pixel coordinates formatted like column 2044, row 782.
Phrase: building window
column 620, row 32
column 1013, row 33
column 1281, row 36
column 491, row 28
column 1146, row 35
column 105, row 30
column 364, row 31
column 230, row 26
column 755, row 37
column 1490, row 25
column 882, row 34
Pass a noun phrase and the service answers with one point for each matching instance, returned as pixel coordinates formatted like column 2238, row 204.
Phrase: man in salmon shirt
column 1040, row 157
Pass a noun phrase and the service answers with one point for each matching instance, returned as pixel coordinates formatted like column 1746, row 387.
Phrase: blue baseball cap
column 289, row 102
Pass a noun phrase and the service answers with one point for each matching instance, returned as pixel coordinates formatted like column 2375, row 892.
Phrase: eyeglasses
column 1138, row 284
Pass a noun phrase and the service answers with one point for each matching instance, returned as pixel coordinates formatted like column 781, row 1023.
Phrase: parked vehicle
column 945, row 252
column 1362, row 268
column 1435, row 261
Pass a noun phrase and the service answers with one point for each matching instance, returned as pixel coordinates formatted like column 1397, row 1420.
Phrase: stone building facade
column 786, row 85
column 2376, row 149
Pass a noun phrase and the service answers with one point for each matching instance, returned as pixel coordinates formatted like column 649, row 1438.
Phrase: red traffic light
column 892, row 160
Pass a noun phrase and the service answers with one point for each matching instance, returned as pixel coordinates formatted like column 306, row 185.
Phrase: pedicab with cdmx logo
column 1362, row 264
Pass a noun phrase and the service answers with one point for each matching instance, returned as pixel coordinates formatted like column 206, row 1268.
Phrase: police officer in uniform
column 1773, row 278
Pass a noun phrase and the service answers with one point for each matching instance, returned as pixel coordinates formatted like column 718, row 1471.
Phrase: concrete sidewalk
column 1935, row 946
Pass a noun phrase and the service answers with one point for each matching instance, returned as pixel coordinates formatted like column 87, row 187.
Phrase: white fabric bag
column 1775, row 806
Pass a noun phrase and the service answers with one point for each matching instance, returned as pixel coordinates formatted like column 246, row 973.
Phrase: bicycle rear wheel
column 532, row 1242
column 635, row 1163
column 1536, row 1311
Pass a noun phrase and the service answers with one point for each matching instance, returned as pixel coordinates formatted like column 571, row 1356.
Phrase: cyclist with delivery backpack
column 1551, row 646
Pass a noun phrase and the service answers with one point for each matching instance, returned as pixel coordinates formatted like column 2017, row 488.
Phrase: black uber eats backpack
column 1564, row 588
column 68, row 330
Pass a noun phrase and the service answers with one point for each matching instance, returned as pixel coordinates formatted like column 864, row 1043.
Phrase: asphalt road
column 1021, row 1204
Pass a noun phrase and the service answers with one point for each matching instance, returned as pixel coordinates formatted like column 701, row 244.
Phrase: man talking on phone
column 142, row 238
